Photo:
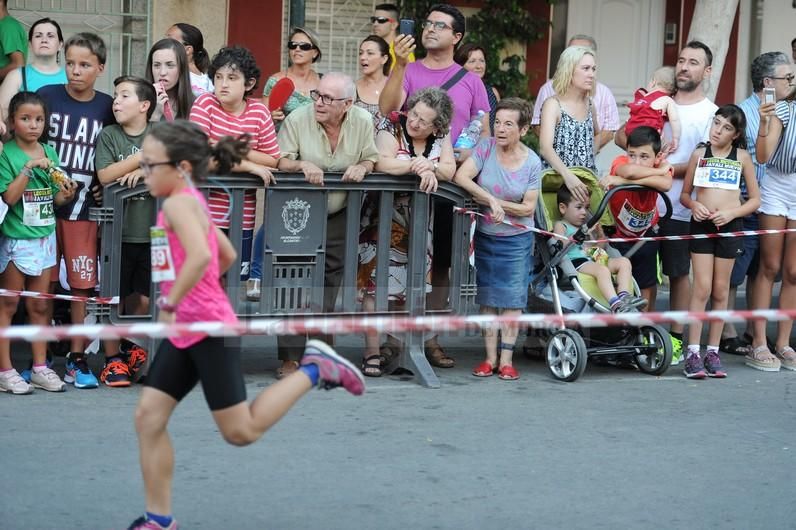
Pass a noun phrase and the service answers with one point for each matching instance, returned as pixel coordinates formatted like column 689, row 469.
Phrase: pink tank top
column 206, row 301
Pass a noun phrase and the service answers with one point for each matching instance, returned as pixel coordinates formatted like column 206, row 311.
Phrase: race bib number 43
column 162, row 264
column 718, row 173
column 37, row 207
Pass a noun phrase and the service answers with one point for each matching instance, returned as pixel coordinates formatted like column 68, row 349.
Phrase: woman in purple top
column 502, row 175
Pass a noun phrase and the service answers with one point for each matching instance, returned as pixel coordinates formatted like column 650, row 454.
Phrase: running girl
column 195, row 253
column 27, row 235
column 716, row 170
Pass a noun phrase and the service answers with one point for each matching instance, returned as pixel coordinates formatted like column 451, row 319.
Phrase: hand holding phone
column 406, row 26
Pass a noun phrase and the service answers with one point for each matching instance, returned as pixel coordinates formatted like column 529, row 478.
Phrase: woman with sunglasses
column 303, row 51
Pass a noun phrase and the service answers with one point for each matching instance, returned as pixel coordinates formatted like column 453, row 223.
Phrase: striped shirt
column 784, row 158
column 750, row 107
column 217, row 123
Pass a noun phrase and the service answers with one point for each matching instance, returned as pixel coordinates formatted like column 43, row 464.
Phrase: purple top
column 468, row 94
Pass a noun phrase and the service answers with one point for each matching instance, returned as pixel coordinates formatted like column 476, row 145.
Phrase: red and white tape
column 360, row 324
column 112, row 300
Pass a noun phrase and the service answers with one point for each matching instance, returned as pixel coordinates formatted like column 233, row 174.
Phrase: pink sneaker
column 334, row 370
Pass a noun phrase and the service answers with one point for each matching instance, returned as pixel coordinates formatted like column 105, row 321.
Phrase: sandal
column 436, row 356
column 787, row 358
column 761, row 358
column 735, row 346
column 388, row 352
column 287, row 368
column 485, row 369
column 371, row 366
column 508, row 373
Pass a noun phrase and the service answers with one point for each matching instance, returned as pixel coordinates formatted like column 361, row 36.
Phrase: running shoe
column 334, row 370
column 142, row 523
column 48, row 380
column 26, row 372
column 677, row 350
column 713, row 365
column 693, row 367
column 79, row 374
column 136, row 359
column 115, row 373
column 13, row 383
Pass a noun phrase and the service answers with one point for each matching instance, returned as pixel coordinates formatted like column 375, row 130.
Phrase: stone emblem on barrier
column 295, row 214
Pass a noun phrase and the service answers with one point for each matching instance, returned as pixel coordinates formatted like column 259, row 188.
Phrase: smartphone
column 769, row 96
column 406, row 26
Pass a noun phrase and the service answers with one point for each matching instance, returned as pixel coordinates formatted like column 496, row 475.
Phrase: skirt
column 502, row 269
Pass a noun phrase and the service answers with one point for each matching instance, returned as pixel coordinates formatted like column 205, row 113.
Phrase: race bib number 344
column 718, row 173
column 162, row 263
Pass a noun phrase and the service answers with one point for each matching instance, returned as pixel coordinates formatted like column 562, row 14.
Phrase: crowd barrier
column 295, row 215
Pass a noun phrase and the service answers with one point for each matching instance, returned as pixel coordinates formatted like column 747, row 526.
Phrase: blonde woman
column 569, row 124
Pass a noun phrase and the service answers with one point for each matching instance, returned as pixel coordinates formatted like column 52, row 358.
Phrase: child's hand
column 43, row 163
column 131, row 179
column 673, row 145
column 721, row 218
column 264, row 173
column 68, row 189
column 700, row 211
column 96, row 192
column 609, row 181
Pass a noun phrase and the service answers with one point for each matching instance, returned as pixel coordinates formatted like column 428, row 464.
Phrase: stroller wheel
column 566, row 355
column 658, row 362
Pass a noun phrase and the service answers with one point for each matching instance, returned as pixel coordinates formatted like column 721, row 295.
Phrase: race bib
column 162, row 264
column 37, row 207
column 718, row 173
column 635, row 220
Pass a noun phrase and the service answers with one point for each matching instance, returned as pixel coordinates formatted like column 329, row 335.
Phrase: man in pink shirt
column 607, row 112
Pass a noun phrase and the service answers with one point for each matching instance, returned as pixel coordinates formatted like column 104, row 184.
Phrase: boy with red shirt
column 635, row 212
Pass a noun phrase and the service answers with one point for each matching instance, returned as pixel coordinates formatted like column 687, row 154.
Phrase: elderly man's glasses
column 381, row 20
column 326, row 100
column 437, row 24
column 789, row 78
column 303, row 46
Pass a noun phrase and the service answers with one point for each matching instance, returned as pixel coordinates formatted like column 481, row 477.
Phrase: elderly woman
column 473, row 58
column 303, row 52
column 568, row 124
column 507, row 187
column 416, row 145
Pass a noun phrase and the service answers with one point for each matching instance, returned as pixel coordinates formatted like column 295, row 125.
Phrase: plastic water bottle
column 470, row 134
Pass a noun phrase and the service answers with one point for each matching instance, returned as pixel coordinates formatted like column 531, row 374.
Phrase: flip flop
column 508, row 373
column 484, row 370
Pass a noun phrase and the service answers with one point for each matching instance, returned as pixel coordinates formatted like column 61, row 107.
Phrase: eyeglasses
column 303, row 46
column 381, row 20
column 146, row 167
column 326, row 100
column 438, row 25
column 789, row 78
column 415, row 117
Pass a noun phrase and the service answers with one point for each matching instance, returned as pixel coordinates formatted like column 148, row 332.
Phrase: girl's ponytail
column 229, row 151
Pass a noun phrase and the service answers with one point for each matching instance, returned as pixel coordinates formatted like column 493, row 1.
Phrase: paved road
column 616, row 449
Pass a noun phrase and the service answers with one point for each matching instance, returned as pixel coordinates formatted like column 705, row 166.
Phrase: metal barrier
column 294, row 254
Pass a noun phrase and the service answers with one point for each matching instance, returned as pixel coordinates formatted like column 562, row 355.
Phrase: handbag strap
column 453, row 80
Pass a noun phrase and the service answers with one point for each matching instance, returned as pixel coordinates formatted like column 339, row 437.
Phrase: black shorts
column 136, row 269
column 213, row 361
column 644, row 262
column 675, row 259
column 721, row 247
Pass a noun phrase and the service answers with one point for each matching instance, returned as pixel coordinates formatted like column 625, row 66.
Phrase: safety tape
column 397, row 324
column 740, row 233
column 112, row 300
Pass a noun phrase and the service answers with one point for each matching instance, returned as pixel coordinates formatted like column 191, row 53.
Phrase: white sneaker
column 253, row 289
column 13, row 383
column 48, row 380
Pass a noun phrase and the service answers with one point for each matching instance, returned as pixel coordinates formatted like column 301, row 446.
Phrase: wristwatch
column 436, row 167
column 164, row 305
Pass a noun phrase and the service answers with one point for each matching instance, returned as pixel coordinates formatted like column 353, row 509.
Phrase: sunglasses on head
column 303, row 46
column 381, row 20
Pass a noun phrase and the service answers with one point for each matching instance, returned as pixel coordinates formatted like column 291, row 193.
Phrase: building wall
column 778, row 26
column 210, row 16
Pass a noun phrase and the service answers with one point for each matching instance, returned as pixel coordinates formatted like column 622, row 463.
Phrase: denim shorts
column 502, row 269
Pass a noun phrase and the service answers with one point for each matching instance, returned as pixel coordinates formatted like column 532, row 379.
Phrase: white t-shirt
column 695, row 120
column 200, row 84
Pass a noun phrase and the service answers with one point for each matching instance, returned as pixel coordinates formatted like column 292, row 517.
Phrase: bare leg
column 603, row 277
column 38, row 312
column 624, row 273
column 787, row 294
column 703, row 280
column 78, row 317
column 371, row 336
column 13, row 279
column 650, row 294
column 729, row 331
column 722, row 269
column 245, row 423
column 490, row 337
column 679, row 296
column 155, row 450
column 771, row 250
column 508, row 335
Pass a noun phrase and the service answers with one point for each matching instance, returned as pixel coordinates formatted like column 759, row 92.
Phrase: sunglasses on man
column 381, row 20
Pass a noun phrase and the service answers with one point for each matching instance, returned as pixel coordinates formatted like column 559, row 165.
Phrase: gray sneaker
column 13, row 383
column 47, row 380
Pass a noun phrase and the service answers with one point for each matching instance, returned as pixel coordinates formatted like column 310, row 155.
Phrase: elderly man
column 330, row 135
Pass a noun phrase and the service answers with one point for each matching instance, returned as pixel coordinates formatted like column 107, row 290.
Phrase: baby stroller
column 557, row 287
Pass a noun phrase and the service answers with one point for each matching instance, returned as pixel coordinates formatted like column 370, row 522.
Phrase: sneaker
column 13, row 383
column 693, row 367
column 713, row 365
column 115, row 373
column 677, row 350
column 142, row 523
column 334, row 370
column 136, row 359
column 253, row 289
column 48, row 380
column 78, row 373
column 26, row 372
